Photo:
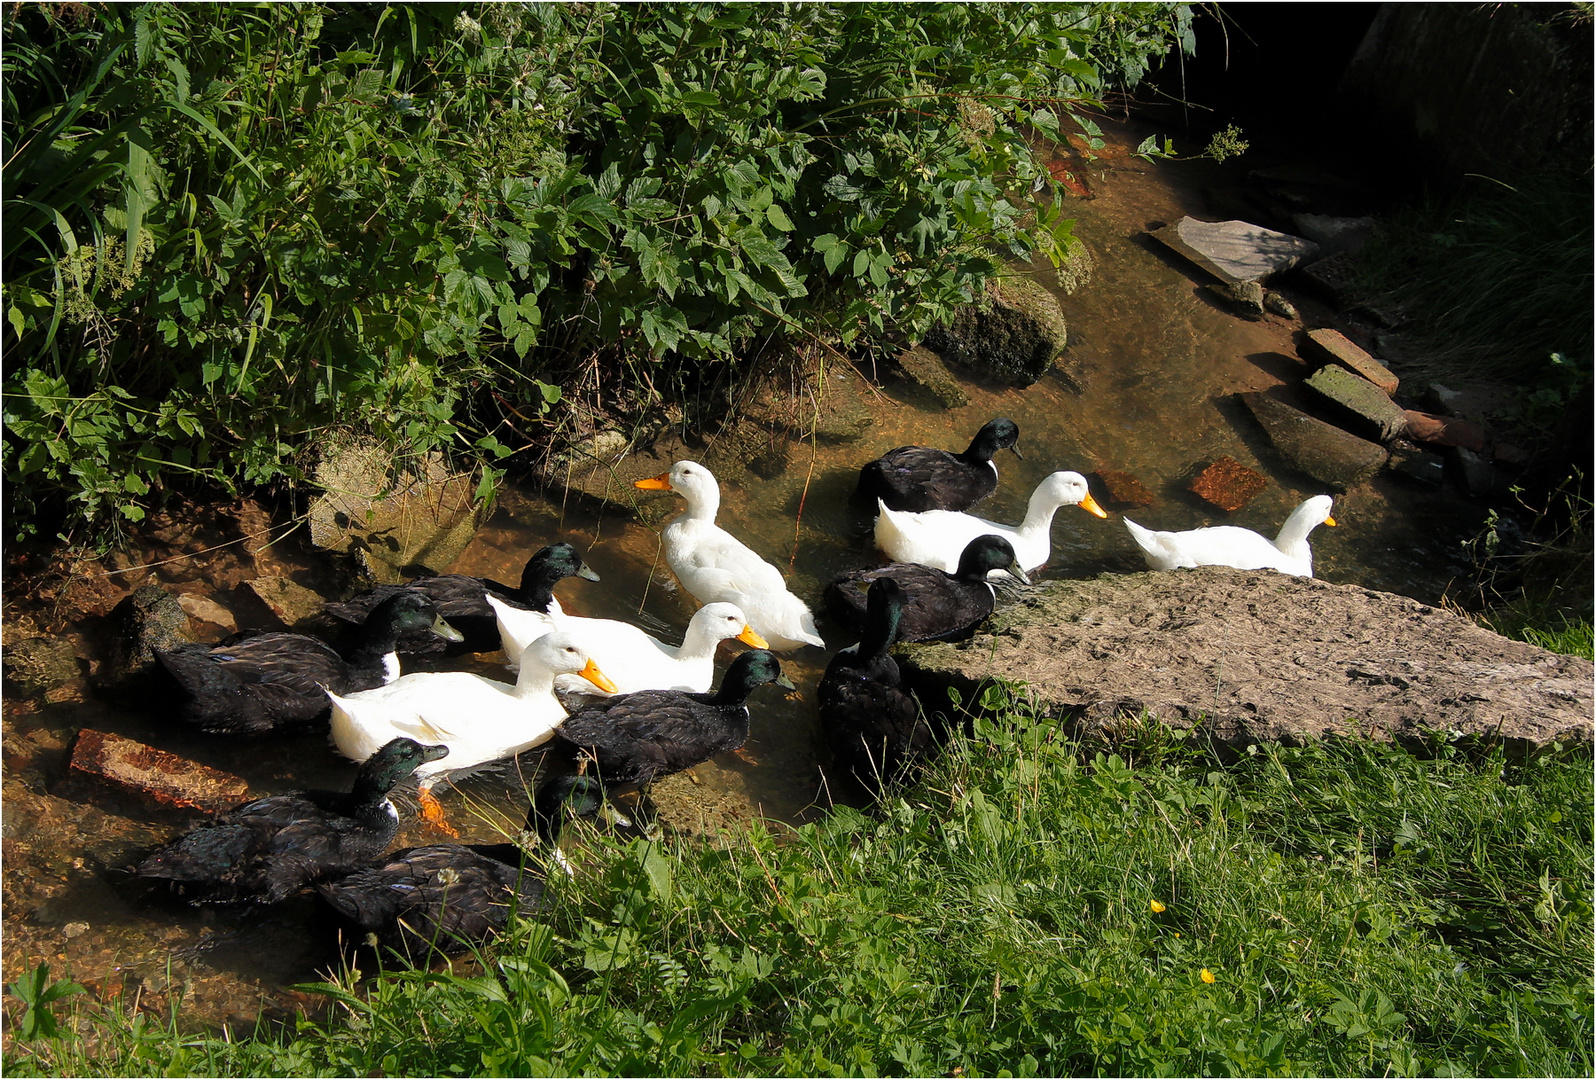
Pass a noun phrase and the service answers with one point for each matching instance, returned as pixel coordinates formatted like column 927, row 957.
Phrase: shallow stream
column 1152, row 364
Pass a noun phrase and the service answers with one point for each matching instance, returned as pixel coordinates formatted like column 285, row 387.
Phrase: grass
column 1031, row 907
column 1496, row 280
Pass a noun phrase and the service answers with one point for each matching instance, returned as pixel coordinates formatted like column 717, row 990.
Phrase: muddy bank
column 1253, row 655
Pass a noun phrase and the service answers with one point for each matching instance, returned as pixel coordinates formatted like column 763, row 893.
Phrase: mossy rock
column 1014, row 333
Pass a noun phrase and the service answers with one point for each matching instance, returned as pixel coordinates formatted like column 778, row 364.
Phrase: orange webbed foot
column 432, row 811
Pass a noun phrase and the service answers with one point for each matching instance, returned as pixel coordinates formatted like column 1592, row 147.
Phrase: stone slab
column 1252, row 655
column 1331, row 346
column 1228, row 484
column 1366, row 407
column 1322, row 451
column 163, row 780
column 1235, row 251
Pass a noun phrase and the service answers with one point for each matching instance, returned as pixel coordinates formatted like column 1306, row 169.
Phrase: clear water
column 1154, row 365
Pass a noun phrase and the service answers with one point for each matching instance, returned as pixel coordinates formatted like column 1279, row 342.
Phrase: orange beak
column 1329, row 521
column 1089, row 504
column 593, row 675
column 749, row 637
column 662, row 482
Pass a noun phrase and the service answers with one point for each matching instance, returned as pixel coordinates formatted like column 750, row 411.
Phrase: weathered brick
column 1331, row 346
column 155, row 776
column 1228, row 484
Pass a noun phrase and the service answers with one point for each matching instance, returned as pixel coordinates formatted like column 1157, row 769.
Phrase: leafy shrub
column 231, row 227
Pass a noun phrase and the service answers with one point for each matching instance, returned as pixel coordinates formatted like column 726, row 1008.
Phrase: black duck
column 261, row 683
column 873, row 725
column 937, row 605
column 462, row 600
column 267, row 850
column 916, row 478
column 451, row 897
column 634, row 739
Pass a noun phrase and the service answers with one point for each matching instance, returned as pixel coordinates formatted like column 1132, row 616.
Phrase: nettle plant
column 232, row 227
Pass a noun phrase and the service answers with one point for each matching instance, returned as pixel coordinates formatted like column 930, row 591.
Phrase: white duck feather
column 938, row 537
column 1231, row 545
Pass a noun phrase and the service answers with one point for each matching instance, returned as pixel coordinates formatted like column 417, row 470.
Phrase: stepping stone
column 1228, row 484
column 1364, row 404
column 1322, row 451
column 1331, row 346
column 1235, row 251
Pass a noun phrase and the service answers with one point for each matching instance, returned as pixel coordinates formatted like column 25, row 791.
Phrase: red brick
column 1228, row 484
column 163, row 779
column 1444, row 430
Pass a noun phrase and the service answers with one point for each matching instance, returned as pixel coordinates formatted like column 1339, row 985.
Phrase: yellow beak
column 1329, row 521
column 1089, row 504
column 749, row 637
column 593, row 675
column 662, row 482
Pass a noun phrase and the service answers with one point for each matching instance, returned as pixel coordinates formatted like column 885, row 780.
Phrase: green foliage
column 1497, row 285
column 233, row 226
column 1033, row 907
column 37, row 991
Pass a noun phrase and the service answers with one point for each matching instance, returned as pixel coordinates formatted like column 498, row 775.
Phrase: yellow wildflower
column 1158, row 908
column 1208, row 976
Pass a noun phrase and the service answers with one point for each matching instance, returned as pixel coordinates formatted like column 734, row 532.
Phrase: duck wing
column 447, row 897
column 917, row 478
column 936, row 605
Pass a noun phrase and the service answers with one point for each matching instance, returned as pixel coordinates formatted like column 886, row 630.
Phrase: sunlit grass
column 1344, row 908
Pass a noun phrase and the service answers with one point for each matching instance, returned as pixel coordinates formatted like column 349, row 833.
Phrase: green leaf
column 778, row 217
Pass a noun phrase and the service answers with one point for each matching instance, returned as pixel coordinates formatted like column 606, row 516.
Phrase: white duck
column 641, row 661
column 1230, row 545
column 716, row 567
column 479, row 720
column 938, row 537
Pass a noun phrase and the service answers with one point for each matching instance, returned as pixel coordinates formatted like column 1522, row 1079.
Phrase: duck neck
column 702, row 505
column 533, row 680
column 1293, row 536
column 879, row 634
column 537, row 591
column 981, row 450
column 377, row 646
column 697, row 643
column 1039, row 512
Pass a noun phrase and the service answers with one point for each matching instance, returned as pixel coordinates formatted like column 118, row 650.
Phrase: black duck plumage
column 873, row 725
column 266, row 850
column 634, row 739
column 937, row 605
column 460, row 599
column 916, row 478
column 451, row 897
column 260, row 683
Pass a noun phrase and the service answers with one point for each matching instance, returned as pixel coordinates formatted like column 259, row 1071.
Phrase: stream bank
column 1146, row 390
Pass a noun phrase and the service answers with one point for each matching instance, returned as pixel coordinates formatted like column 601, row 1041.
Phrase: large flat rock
column 1235, row 251
column 1252, row 655
column 1365, row 406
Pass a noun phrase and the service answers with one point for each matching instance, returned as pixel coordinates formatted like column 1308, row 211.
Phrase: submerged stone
column 1364, row 404
column 1235, row 251
column 927, row 370
column 1124, row 489
column 1418, row 465
column 1252, row 655
column 149, row 619
column 1322, row 451
column 1444, row 430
